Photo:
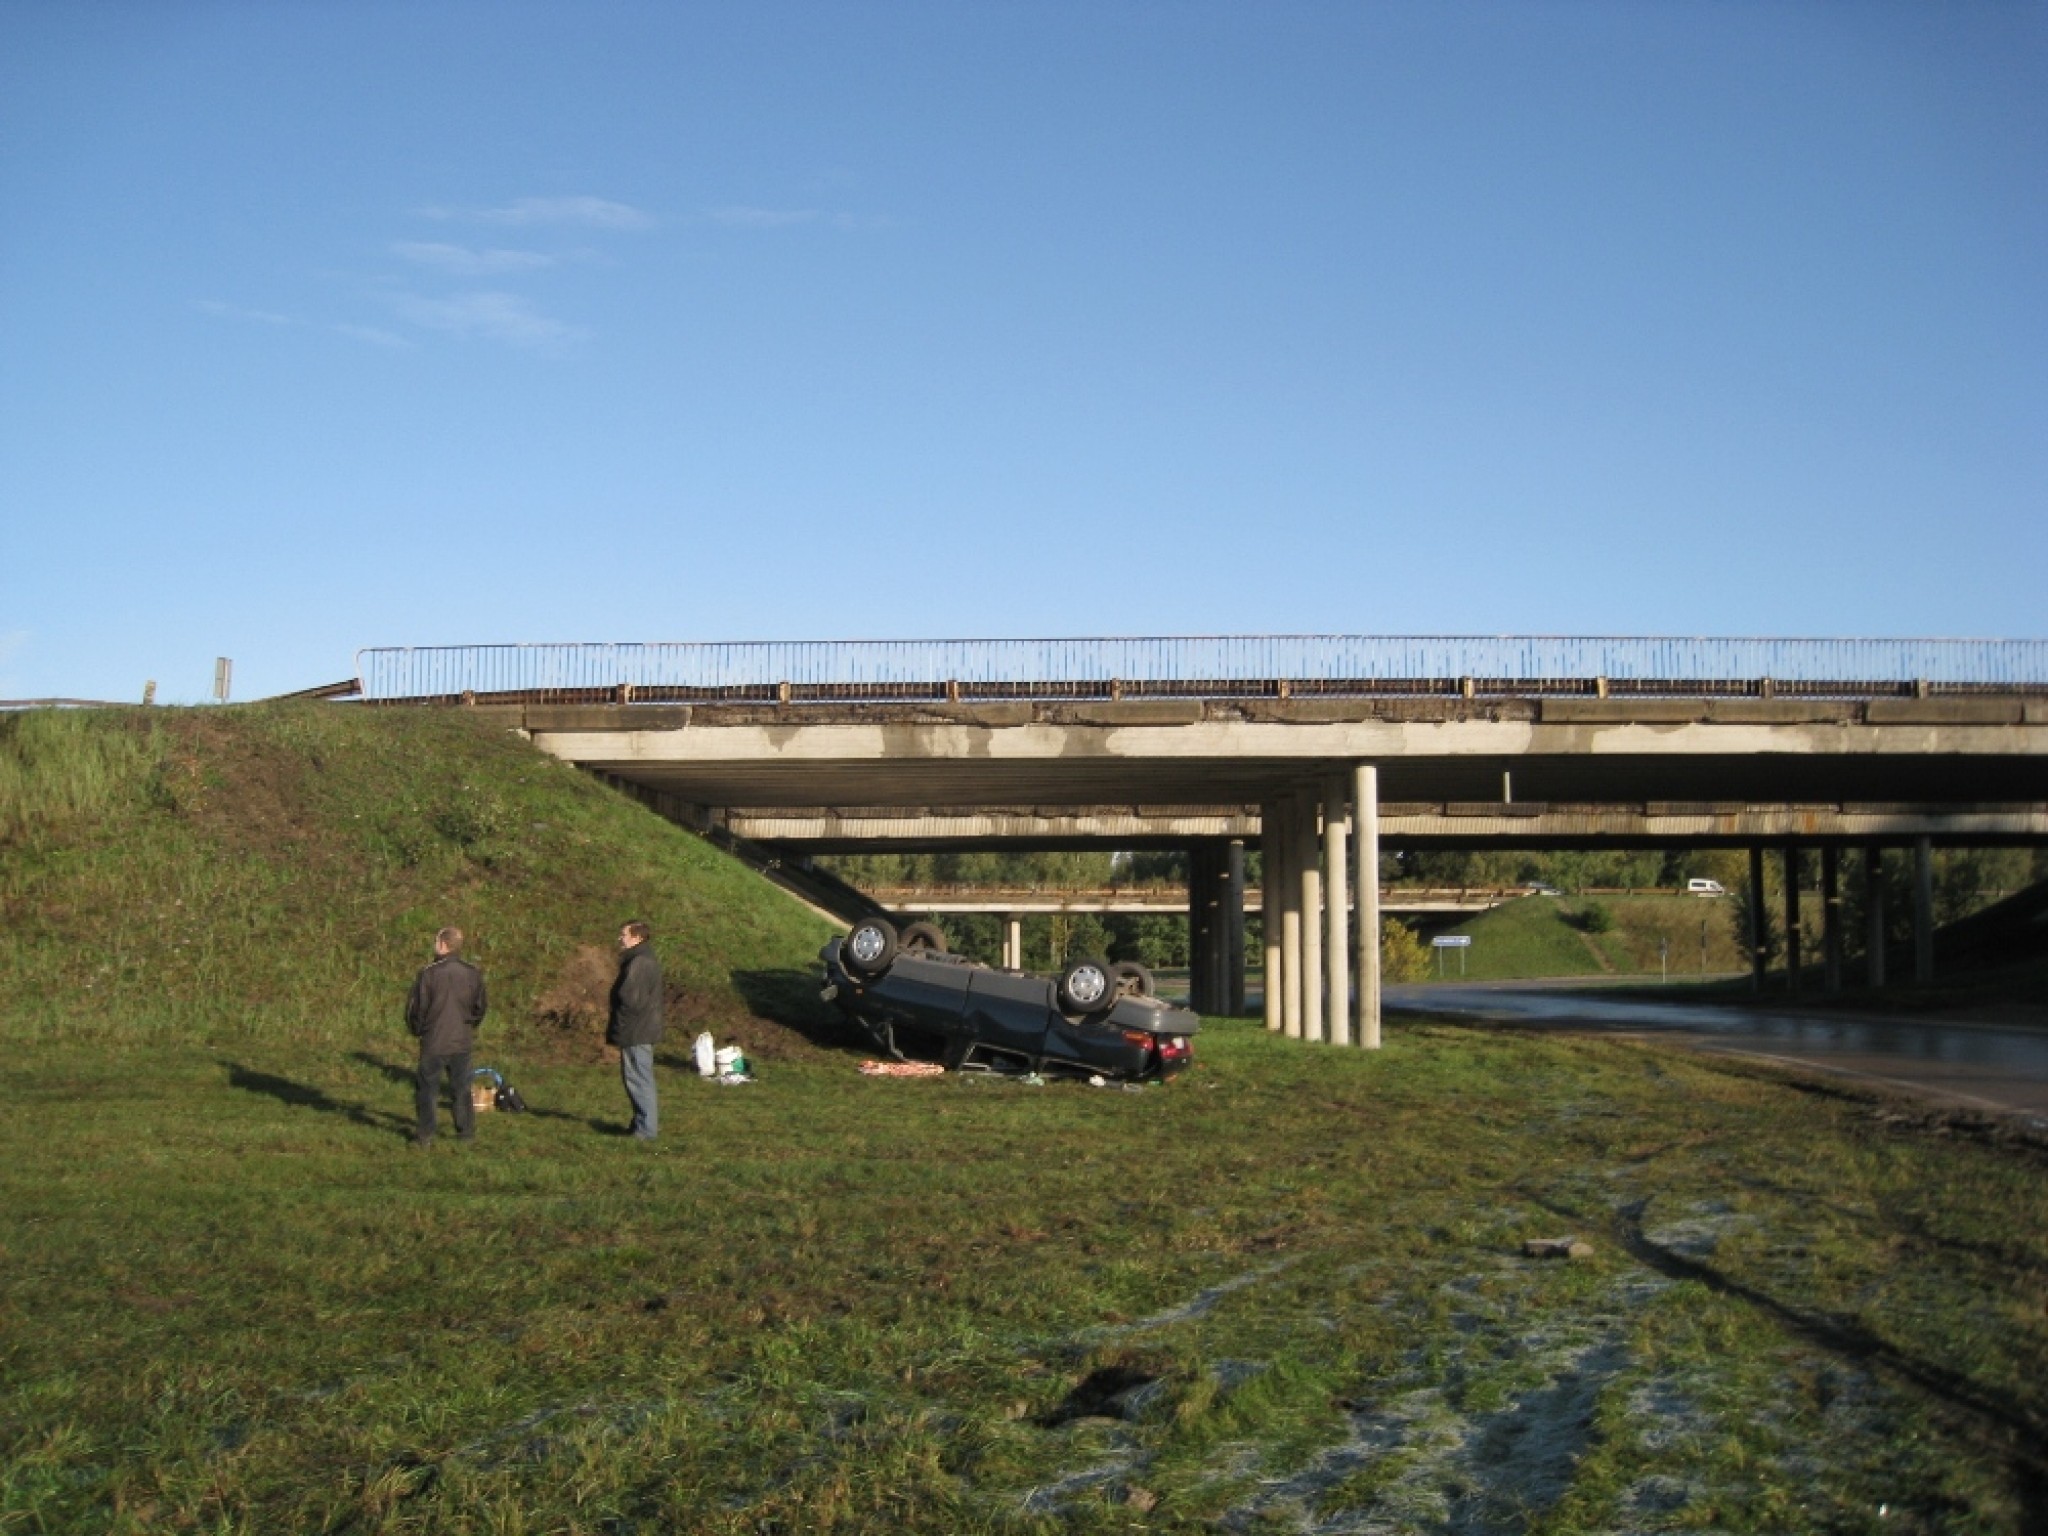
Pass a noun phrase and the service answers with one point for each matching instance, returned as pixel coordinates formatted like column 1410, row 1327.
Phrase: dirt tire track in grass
column 2020, row 1436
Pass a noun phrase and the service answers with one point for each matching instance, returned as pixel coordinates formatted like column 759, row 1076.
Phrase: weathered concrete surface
column 1460, row 824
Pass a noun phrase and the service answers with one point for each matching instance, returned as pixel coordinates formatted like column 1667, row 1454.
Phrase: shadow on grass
column 306, row 1096
column 392, row 1071
column 790, row 998
column 404, row 1075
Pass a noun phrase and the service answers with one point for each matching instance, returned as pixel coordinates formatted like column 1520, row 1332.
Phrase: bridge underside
column 1451, row 773
column 1454, row 826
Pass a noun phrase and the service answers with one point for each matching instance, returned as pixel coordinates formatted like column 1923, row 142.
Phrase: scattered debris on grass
column 1556, row 1248
column 901, row 1069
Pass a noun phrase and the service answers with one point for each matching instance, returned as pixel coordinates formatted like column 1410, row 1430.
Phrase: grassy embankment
column 1285, row 1292
column 280, row 872
column 1546, row 936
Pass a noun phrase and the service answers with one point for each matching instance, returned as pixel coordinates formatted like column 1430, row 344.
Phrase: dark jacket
column 446, row 1005
column 636, row 998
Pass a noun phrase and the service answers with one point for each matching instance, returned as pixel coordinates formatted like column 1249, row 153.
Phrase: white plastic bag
column 706, row 1054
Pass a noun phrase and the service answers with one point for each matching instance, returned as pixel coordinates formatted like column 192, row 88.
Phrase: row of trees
column 1155, row 939
column 1965, row 880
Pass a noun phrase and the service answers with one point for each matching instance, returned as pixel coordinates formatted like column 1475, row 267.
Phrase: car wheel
column 1132, row 980
column 1087, row 986
column 922, row 936
column 869, row 946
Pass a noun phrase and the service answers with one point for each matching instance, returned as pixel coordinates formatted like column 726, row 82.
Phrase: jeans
column 636, row 1071
column 428, row 1090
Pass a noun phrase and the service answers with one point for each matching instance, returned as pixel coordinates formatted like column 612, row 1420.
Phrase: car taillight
column 1175, row 1045
column 1138, row 1037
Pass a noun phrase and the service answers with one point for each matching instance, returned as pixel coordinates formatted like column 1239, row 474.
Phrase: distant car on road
column 1705, row 888
column 1096, row 1020
column 1538, row 888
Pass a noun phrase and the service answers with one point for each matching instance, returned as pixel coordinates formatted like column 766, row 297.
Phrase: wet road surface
column 1980, row 1065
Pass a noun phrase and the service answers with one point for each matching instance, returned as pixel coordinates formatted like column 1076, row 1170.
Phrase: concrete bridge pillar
column 1756, row 920
column 1311, row 918
column 1272, row 881
column 1873, row 914
column 1233, row 929
column 1923, row 909
column 1290, row 919
column 1215, row 923
column 1365, row 936
column 1013, row 942
column 1337, row 901
column 1831, row 917
column 1793, row 954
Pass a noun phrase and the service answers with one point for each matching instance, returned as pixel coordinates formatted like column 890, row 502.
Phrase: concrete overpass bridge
column 1317, row 748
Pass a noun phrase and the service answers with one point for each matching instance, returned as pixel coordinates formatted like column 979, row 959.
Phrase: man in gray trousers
column 636, row 1025
column 446, row 1005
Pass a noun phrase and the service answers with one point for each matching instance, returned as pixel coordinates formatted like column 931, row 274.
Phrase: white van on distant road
column 1705, row 888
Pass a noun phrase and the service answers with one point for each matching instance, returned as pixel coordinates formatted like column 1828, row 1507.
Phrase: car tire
column 1087, row 986
column 921, row 936
column 1132, row 980
column 869, row 946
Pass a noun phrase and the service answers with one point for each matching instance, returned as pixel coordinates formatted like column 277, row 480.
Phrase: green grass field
column 1285, row 1293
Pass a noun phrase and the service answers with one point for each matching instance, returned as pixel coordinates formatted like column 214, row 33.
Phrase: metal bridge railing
column 1204, row 666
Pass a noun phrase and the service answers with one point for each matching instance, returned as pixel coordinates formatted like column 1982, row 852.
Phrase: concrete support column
column 1831, row 917
column 1365, row 933
column 1215, row 972
column 1290, row 920
column 1198, row 930
column 1923, row 909
column 1272, row 881
column 1756, row 920
column 1792, row 954
column 1013, row 942
column 1337, row 901
column 1873, row 913
column 1233, row 929
column 1311, row 921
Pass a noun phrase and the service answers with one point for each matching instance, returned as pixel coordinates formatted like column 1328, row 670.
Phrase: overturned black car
column 1097, row 1019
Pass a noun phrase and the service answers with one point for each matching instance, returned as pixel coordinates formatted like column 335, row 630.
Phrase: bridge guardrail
column 1221, row 666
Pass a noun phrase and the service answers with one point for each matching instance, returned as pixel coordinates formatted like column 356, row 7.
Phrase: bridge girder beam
column 1519, row 824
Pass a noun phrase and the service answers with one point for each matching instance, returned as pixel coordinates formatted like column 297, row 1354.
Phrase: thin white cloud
column 464, row 262
column 374, row 335
column 224, row 311
column 587, row 212
column 762, row 218
column 505, row 317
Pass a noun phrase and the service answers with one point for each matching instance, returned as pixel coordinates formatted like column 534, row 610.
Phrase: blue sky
column 326, row 326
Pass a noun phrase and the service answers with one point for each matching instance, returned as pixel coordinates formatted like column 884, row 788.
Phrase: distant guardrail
column 1202, row 666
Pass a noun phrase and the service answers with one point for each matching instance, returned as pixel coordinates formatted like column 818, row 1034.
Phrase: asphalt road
column 1978, row 1064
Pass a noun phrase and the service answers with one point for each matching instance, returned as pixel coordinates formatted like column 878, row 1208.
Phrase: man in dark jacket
column 636, row 1025
column 446, row 1005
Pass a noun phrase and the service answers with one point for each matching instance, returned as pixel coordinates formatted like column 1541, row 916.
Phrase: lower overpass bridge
column 1013, row 906
column 1318, row 750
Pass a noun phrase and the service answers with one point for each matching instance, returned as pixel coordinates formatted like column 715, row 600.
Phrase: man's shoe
column 421, row 1143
